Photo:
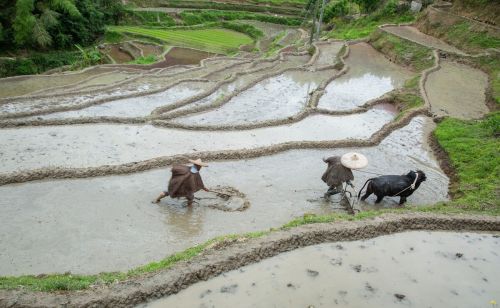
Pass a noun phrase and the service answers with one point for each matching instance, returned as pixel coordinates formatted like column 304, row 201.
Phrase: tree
column 34, row 20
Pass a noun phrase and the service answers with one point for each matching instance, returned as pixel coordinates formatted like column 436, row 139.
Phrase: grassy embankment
column 212, row 40
column 408, row 54
column 264, row 6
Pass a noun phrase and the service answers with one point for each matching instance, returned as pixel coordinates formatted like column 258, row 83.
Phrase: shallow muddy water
column 413, row 34
column 101, row 144
column 411, row 269
column 135, row 106
column 458, row 91
column 100, row 224
column 370, row 75
column 26, row 84
column 262, row 102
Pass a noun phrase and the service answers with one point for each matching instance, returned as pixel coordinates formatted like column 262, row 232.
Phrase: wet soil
column 117, row 54
column 328, row 53
column 260, row 103
column 413, row 34
column 149, row 49
column 99, row 224
column 457, row 90
column 451, row 269
column 185, row 56
column 101, row 144
column 370, row 76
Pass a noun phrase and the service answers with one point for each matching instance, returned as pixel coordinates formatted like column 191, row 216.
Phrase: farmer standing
column 339, row 171
column 185, row 181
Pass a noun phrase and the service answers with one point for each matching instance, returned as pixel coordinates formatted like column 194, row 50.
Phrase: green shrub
column 243, row 28
column 336, row 9
column 145, row 60
column 147, row 18
column 37, row 63
column 199, row 17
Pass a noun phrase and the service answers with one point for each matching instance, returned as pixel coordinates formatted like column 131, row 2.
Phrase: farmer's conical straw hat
column 198, row 162
column 354, row 160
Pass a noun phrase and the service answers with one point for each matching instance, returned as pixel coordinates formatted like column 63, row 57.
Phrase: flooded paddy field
column 99, row 224
column 413, row 34
column 260, row 103
column 22, row 85
column 370, row 76
column 101, row 144
column 135, row 106
column 411, row 269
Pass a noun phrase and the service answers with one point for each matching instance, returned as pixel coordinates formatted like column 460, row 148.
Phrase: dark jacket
column 183, row 183
column 336, row 173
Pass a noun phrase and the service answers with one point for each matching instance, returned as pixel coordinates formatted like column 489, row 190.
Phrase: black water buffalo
column 393, row 186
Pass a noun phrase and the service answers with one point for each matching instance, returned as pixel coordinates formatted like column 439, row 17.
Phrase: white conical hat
column 354, row 160
column 198, row 162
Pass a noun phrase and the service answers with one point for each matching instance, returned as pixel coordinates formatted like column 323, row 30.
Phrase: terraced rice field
column 81, row 160
column 213, row 40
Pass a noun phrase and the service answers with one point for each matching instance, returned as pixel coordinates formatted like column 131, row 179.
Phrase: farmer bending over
column 185, row 181
column 339, row 171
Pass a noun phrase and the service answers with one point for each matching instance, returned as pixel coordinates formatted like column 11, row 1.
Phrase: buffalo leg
column 379, row 198
column 402, row 200
column 368, row 192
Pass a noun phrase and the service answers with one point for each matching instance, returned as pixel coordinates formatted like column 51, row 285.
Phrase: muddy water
column 100, row 224
column 98, row 81
column 413, row 34
column 328, row 53
column 96, row 145
column 411, row 269
column 212, row 98
column 370, row 75
column 135, row 106
column 458, row 91
column 24, row 85
column 261, row 102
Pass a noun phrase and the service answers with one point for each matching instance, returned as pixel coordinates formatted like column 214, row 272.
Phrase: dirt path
column 413, row 34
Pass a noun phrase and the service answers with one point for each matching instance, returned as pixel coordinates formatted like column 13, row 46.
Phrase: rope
column 368, row 172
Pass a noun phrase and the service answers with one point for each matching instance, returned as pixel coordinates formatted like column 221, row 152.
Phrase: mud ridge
column 237, row 253
column 60, row 173
column 218, row 103
column 279, row 57
column 142, row 73
column 96, row 102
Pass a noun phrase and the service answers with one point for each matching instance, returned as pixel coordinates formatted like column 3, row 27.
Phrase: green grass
column 491, row 64
column 402, row 51
column 213, row 40
column 363, row 27
column 461, row 35
column 144, row 60
column 275, row 46
column 474, row 151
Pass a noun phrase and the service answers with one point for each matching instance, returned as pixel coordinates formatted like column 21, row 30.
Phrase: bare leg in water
column 161, row 196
